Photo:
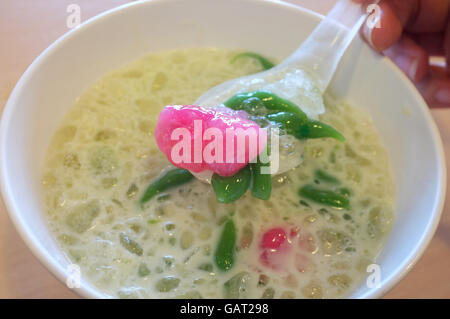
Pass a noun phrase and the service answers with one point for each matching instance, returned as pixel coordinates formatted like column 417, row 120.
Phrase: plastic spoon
column 301, row 78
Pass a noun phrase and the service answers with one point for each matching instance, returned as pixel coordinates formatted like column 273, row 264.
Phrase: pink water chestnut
column 286, row 245
column 218, row 139
column 275, row 248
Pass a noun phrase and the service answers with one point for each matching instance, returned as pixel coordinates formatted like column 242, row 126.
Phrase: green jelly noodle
column 261, row 185
column 325, row 197
column 225, row 251
column 326, row 177
column 303, row 128
column 282, row 113
column 230, row 189
column 172, row 178
column 263, row 101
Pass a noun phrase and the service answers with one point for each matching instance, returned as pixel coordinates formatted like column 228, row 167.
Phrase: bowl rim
column 87, row 289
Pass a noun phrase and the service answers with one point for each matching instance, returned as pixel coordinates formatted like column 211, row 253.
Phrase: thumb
column 388, row 17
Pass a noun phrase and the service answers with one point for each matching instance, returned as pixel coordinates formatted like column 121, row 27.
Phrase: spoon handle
column 321, row 52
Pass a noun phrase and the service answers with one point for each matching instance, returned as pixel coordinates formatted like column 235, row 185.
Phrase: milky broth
column 104, row 155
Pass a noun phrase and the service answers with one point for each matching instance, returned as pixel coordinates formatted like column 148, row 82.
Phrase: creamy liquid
column 104, row 155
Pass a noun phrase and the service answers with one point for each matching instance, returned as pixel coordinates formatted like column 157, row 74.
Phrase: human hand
column 410, row 32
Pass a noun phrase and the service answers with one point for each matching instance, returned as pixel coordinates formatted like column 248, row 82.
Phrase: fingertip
column 383, row 28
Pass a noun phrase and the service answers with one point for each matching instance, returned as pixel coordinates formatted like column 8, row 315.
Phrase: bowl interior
column 365, row 79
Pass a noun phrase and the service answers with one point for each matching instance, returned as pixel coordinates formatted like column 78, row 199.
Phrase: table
column 26, row 28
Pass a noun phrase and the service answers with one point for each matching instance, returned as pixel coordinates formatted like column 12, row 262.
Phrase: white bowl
column 50, row 85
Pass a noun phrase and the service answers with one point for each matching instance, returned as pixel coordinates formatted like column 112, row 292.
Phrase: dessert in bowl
column 84, row 167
